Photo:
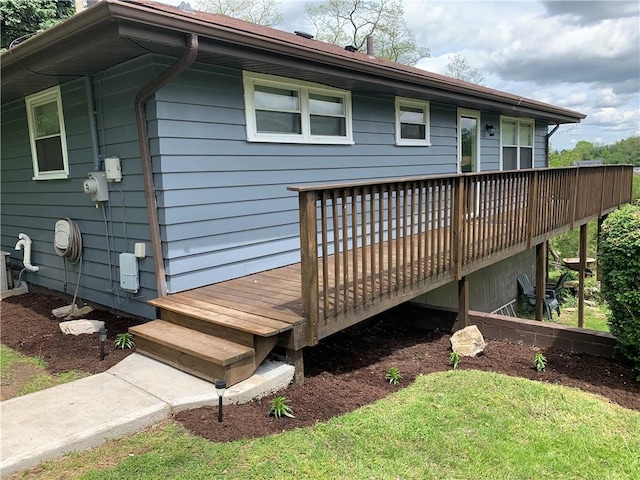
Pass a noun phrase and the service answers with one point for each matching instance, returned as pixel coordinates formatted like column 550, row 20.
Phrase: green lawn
column 25, row 375
column 450, row 425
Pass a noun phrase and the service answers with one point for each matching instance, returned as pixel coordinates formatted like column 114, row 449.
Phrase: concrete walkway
column 127, row 398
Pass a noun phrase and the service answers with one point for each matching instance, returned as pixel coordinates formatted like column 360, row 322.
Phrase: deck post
column 582, row 268
column 602, row 189
column 463, row 302
column 532, row 208
column 458, row 231
column 574, row 197
column 541, row 278
column 296, row 358
column 309, row 262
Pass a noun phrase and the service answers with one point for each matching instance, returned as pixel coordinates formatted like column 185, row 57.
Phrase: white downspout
column 25, row 243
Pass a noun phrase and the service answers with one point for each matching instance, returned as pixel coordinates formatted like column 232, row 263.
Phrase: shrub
column 393, row 376
column 124, row 340
column 280, row 407
column 620, row 264
column 539, row 362
column 454, row 359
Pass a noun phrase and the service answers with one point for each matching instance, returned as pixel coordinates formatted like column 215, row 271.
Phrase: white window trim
column 518, row 120
column 251, row 79
column 411, row 102
column 465, row 112
column 35, row 100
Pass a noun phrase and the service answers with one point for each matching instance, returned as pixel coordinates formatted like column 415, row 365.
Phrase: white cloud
column 574, row 100
column 615, row 118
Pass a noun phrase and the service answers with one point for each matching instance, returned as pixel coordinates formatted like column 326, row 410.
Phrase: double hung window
column 47, row 135
column 516, row 136
column 412, row 122
column 289, row 111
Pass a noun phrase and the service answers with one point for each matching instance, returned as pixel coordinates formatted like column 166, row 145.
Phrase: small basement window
column 290, row 111
column 47, row 135
column 412, row 122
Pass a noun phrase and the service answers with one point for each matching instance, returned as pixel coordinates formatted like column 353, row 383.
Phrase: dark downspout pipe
column 147, row 91
column 546, row 143
column 91, row 113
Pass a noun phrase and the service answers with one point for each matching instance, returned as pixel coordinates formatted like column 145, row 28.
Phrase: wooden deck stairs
column 207, row 340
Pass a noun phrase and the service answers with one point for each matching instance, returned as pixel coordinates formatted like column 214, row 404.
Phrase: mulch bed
column 343, row 372
column 29, row 327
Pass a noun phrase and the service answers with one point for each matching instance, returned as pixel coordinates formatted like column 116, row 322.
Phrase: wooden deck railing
column 367, row 246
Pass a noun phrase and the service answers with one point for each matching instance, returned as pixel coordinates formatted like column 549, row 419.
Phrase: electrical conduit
column 147, row 91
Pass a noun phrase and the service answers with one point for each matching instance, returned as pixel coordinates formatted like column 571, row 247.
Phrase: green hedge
column 620, row 265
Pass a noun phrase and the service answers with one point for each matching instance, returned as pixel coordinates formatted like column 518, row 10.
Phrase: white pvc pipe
column 25, row 244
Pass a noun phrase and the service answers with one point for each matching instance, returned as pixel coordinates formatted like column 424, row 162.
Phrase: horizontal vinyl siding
column 540, row 160
column 489, row 146
column 33, row 207
column 224, row 207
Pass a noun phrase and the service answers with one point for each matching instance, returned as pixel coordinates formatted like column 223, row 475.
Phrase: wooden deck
column 370, row 246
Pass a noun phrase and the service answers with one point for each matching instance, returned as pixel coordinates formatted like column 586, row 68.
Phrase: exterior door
column 468, row 141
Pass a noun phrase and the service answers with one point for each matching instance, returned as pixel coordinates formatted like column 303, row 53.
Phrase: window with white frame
column 47, row 135
column 412, row 122
column 516, row 136
column 291, row 111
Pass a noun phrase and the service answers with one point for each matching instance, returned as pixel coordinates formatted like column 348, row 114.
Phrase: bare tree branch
column 350, row 22
column 261, row 12
column 459, row 68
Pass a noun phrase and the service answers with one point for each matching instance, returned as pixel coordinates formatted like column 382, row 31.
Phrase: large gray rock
column 468, row 342
column 80, row 327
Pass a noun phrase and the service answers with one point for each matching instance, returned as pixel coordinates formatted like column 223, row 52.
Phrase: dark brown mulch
column 342, row 373
column 28, row 327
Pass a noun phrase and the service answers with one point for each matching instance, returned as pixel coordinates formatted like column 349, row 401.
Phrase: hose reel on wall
column 67, row 243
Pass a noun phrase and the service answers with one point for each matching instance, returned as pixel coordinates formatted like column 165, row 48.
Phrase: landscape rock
column 80, row 312
column 468, row 342
column 62, row 312
column 81, row 327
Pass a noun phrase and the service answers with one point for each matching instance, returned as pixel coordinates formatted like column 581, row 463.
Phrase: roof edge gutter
column 187, row 59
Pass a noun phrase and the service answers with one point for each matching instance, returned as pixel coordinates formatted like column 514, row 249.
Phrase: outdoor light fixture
column 220, row 385
column 102, row 333
column 491, row 130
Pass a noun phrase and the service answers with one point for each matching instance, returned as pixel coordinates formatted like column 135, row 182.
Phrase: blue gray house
column 258, row 188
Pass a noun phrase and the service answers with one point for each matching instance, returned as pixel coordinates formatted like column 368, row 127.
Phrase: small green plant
column 124, row 340
column 393, row 376
column 280, row 407
column 539, row 361
column 454, row 359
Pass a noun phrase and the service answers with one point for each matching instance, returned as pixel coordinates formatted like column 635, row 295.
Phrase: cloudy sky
column 581, row 55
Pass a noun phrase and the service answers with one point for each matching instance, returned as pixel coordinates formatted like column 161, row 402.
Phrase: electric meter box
column 129, row 272
column 96, row 185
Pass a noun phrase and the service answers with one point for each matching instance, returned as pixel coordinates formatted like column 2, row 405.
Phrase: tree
column 620, row 263
column 624, row 151
column 20, row 18
column 261, row 12
column 458, row 67
column 350, row 22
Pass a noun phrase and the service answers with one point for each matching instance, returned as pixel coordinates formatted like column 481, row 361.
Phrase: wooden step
column 220, row 315
column 199, row 354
